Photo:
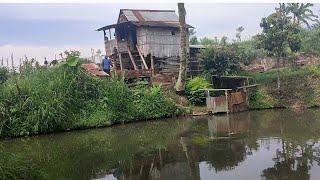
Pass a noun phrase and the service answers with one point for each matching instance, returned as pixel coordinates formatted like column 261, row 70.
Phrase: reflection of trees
column 297, row 154
column 226, row 154
column 293, row 161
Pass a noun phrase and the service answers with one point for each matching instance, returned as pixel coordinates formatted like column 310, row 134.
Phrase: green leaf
column 72, row 61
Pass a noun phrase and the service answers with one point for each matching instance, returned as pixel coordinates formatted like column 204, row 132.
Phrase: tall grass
column 66, row 97
column 298, row 86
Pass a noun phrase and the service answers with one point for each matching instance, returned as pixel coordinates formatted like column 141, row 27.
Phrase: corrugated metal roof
column 151, row 18
column 150, row 15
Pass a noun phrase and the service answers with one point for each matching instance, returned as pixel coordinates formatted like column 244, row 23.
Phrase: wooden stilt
column 120, row 58
column 227, row 104
column 142, row 58
column 152, row 65
column 132, row 60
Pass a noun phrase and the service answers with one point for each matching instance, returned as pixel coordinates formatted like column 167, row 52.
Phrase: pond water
column 271, row 144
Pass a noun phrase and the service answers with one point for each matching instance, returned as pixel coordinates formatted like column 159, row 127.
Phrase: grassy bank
column 299, row 87
column 65, row 97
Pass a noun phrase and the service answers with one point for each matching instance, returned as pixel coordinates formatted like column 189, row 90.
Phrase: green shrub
column 192, row 90
column 151, row 103
column 260, row 99
column 3, row 75
column 220, row 60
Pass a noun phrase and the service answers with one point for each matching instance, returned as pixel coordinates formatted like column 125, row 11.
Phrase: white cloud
column 39, row 52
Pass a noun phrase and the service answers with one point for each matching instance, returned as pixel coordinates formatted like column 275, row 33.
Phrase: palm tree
column 301, row 13
column 180, row 84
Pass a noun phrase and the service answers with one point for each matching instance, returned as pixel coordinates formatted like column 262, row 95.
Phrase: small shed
column 230, row 94
column 144, row 41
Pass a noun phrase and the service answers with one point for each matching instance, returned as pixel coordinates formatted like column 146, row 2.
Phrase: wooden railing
column 111, row 45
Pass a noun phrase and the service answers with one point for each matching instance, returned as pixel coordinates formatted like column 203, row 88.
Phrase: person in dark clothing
column 106, row 63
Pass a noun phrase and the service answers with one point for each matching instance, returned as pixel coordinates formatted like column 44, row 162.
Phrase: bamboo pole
column 119, row 54
column 152, row 65
column 132, row 60
column 142, row 58
column 12, row 64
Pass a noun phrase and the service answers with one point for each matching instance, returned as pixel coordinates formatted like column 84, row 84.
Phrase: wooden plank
column 214, row 89
column 120, row 58
column 248, row 86
column 152, row 65
column 227, row 103
column 132, row 60
column 142, row 58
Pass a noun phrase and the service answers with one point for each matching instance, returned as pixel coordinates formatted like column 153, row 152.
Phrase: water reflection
column 251, row 145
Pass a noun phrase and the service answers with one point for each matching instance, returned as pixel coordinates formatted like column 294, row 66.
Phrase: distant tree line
column 292, row 29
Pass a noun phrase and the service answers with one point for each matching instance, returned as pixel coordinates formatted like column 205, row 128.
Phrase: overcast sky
column 40, row 30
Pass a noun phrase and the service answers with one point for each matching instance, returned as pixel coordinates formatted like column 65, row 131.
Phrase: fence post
column 12, row 64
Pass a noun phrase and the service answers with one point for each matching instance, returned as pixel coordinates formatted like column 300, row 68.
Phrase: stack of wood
column 170, row 66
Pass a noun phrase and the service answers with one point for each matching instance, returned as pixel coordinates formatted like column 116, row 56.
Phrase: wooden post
column 142, row 58
column 227, row 103
column 20, row 66
column 2, row 61
column 119, row 55
column 12, row 62
column 131, row 58
column 7, row 62
column 109, row 34
column 152, row 65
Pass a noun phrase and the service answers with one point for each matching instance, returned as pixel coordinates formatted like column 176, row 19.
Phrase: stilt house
column 144, row 42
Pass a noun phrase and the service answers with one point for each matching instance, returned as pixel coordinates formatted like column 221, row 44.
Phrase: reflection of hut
column 224, row 126
column 229, row 95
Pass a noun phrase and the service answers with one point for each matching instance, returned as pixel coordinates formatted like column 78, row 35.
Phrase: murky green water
column 276, row 144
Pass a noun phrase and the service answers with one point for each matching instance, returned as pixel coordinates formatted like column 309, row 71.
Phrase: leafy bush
column 260, row 99
column 220, row 60
column 153, row 104
column 192, row 89
column 3, row 75
column 311, row 40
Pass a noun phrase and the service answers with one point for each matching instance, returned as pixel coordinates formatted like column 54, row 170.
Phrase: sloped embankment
column 300, row 88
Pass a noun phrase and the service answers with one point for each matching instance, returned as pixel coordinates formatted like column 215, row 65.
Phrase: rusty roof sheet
column 144, row 23
column 152, row 18
column 93, row 69
column 137, row 15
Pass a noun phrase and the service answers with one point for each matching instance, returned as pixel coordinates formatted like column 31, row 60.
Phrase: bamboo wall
column 160, row 42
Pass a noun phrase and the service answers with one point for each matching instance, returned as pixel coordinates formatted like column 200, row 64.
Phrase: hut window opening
column 173, row 33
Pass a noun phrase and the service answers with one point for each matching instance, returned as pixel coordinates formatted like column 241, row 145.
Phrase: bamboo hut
column 144, row 42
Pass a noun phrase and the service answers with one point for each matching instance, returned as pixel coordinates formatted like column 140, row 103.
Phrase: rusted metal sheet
column 233, row 101
column 237, row 98
column 238, row 101
column 93, row 69
column 150, row 15
column 220, row 104
column 138, row 15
